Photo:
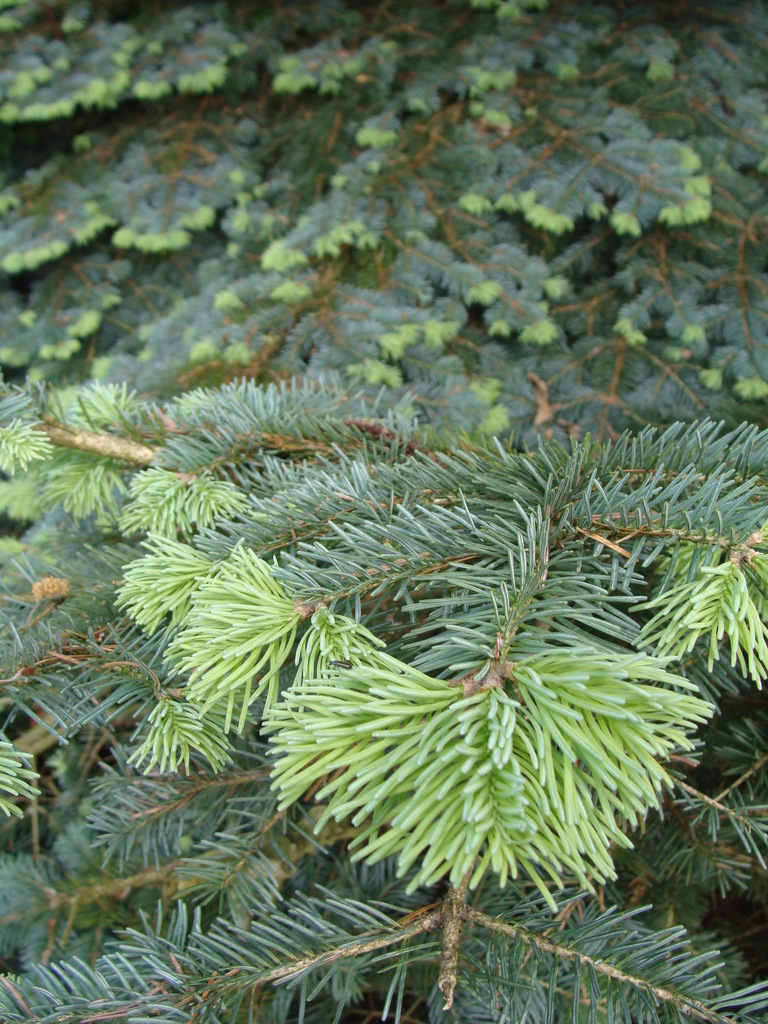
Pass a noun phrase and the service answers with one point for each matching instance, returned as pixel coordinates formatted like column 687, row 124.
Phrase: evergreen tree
column 329, row 697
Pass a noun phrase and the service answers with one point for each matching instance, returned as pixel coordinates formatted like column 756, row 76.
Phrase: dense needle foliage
column 385, row 486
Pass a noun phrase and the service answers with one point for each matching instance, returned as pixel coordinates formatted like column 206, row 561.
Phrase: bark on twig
column 364, row 944
column 452, row 913
column 99, row 444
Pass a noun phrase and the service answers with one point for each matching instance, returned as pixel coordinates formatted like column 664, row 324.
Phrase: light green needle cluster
column 598, row 709
column 84, row 484
column 17, row 779
column 176, row 728
column 240, row 624
column 169, row 503
column 334, row 638
column 717, row 603
column 451, row 783
column 162, row 582
column 20, row 444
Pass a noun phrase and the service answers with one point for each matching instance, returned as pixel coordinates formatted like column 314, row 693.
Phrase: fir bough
column 429, row 672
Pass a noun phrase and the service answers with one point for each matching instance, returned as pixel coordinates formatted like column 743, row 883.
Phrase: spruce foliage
column 328, row 696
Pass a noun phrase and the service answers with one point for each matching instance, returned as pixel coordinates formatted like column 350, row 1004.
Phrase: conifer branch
column 115, row 888
column 368, row 943
column 691, row 1007
column 108, row 445
column 378, row 431
column 274, row 298
column 193, row 788
column 753, row 769
column 627, row 533
column 716, row 805
column 712, row 802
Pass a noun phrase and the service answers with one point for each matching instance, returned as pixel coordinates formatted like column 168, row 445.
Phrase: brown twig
column 544, row 411
column 108, row 445
column 714, row 803
column 494, row 677
column 604, row 541
column 452, row 912
column 364, row 944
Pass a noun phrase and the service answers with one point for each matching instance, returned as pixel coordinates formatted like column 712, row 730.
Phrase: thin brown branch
column 364, row 944
column 714, row 802
column 417, row 924
column 545, row 412
column 626, row 533
column 452, row 911
column 604, row 541
column 98, row 444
